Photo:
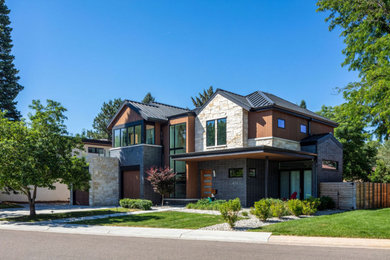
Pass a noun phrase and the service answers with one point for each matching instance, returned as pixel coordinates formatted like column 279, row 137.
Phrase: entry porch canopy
column 257, row 152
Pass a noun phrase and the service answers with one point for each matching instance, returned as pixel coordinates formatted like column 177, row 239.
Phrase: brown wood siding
column 131, row 184
column 158, row 133
column 318, row 128
column 292, row 130
column 165, row 143
column 192, row 188
column 127, row 115
column 260, row 124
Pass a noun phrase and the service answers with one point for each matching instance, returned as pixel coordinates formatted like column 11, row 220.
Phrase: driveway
column 40, row 245
column 46, row 209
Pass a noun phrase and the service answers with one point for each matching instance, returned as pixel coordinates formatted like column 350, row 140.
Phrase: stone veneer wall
column 236, row 123
column 104, row 184
column 275, row 142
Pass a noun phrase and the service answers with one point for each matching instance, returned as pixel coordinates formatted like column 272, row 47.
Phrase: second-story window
column 127, row 136
column 303, row 129
column 281, row 123
column 216, row 135
column 150, row 134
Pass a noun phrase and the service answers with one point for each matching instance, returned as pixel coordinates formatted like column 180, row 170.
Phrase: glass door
column 295, row 183
column 284, row 185
column 307, row 183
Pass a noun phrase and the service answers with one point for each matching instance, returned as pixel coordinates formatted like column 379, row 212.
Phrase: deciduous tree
column 162, row 181
column 40, row 153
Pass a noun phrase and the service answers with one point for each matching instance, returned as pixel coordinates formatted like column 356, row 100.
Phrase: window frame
column 329, row 169
column 284, row 123
column 249, row 173
column 300, row 128
column 232, row 169
column 215, row 121
column 125, row 129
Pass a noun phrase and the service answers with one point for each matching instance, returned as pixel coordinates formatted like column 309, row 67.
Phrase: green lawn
column 7, row 205
column 167, row 219
column 358, row 223
column 74, row 214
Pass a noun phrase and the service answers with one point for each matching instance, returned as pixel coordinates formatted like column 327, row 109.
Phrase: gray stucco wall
column 329, row 150
column 144, row 156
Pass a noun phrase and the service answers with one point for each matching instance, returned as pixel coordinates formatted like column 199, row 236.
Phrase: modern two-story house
column 250, row 147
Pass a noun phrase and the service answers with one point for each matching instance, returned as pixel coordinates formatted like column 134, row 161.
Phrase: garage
column 81, row 197
column 131, row 184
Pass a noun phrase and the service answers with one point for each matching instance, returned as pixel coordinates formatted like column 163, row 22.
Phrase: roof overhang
column 258, row 152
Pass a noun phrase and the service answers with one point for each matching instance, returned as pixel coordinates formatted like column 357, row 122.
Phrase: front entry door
column 206, row 183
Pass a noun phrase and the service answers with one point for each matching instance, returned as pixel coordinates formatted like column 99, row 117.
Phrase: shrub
column 229, row 211
column 326, row 203
column 295, row 207
column 205, row 204
column 262, row 209
column 136, row 204
column 278, row 208
column 310, row 206
column 244, row 213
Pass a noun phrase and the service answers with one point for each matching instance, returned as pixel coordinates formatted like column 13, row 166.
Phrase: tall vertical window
column 216, row 137
column 150, row 134
column 210, row 133
column 117, row 138
column 221, row 131
column 177, row 145
column 137, row 134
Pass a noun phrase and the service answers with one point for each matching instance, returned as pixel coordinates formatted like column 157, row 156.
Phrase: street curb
column 184, row 234
column 369, row 243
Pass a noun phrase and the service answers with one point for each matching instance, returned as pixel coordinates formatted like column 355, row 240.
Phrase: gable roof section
column 152, row 111
column 261, row 100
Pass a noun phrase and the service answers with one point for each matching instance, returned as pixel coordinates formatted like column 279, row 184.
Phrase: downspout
column 309, row 126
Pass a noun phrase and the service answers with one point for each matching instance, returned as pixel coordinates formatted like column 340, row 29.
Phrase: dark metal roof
column 155, row 110
column 262, row 100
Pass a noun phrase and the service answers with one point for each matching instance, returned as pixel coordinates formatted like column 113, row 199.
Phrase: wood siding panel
column 292, row 130
column 192, row 180
column 127, row 115
column 318, row 128
column 260, row 124
column 158, row 133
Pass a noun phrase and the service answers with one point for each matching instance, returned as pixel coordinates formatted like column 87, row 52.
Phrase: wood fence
column 372, row 195
column 357, row 195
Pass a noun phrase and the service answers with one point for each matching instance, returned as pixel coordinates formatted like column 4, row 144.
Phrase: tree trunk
column 162, row 199
column 31, row 201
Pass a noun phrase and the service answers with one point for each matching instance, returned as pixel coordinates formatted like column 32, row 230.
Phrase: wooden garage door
column 80, row 197
column 130, row 184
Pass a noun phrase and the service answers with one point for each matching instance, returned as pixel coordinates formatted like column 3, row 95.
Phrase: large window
column 218, row 137
column 150, row 139
column 128, row 136
column 177, row 145
column 296, row 181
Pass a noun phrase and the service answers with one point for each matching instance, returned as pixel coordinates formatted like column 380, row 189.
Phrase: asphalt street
column 41, row 245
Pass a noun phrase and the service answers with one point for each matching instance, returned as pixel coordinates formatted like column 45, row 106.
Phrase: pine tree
column 303, row 104
column 9, row 86
column 203, row 97
column 148, row 98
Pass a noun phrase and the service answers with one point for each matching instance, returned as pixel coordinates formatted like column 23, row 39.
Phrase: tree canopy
column 107, row 112
column 148, row 98
column 358, row 152
column 303, row 104
column 40, row 153
column 9, row 86
column 202, row 97
column 365, row 26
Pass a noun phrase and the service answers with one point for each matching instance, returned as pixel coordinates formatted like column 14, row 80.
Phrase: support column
column 266, row 173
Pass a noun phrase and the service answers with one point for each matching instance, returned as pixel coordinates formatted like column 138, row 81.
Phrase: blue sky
column 82, row 53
